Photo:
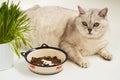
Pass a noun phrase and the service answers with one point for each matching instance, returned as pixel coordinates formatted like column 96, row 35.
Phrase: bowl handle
column 23, row 54
column 44, row 46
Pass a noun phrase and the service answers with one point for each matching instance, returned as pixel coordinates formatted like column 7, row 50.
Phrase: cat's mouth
column 89, row 33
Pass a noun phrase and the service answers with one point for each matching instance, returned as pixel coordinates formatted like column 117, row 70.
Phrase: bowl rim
column 37, row 48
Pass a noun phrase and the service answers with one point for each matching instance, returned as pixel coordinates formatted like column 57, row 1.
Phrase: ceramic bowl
column 42, row 51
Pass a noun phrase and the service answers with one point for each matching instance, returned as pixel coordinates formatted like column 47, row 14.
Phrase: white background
column 99, row 69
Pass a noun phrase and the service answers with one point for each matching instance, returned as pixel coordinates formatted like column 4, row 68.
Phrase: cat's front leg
column 105, row 54
column 74, row 54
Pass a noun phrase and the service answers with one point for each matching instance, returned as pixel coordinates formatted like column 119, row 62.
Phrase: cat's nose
column 89, row 30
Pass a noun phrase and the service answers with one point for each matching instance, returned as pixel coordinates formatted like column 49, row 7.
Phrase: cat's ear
column 103, row 12
column 81, row 11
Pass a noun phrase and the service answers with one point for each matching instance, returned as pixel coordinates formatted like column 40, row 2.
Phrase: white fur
column 63, row 28
column 48, row 24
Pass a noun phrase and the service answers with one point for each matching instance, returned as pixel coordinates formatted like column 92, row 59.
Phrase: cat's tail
column 33, row 8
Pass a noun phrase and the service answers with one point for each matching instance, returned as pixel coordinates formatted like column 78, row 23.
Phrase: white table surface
column 99, row 69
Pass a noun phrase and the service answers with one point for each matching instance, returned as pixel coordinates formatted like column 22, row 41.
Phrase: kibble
column 45, row 61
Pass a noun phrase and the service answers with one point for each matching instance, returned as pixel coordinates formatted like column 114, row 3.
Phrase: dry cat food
column 45, row 61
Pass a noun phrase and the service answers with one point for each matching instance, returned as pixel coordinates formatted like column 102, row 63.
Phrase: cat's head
column 92, row 23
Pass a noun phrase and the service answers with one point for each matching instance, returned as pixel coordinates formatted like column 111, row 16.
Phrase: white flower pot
column 6, row 56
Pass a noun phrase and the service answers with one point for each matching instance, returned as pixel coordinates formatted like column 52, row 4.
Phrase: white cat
column 79, row 33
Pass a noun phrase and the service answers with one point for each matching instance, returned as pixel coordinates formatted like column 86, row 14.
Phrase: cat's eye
column 96, row 24
column 84, row 23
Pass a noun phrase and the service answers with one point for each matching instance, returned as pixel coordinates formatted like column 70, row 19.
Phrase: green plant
column 13, row 25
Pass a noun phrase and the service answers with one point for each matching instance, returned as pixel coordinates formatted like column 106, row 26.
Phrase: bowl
column 43, row 51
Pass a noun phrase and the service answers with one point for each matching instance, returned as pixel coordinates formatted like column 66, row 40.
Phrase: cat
column 78, row 32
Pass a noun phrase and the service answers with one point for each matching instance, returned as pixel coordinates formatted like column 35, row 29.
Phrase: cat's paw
column 107, row 57
column 83, row 63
